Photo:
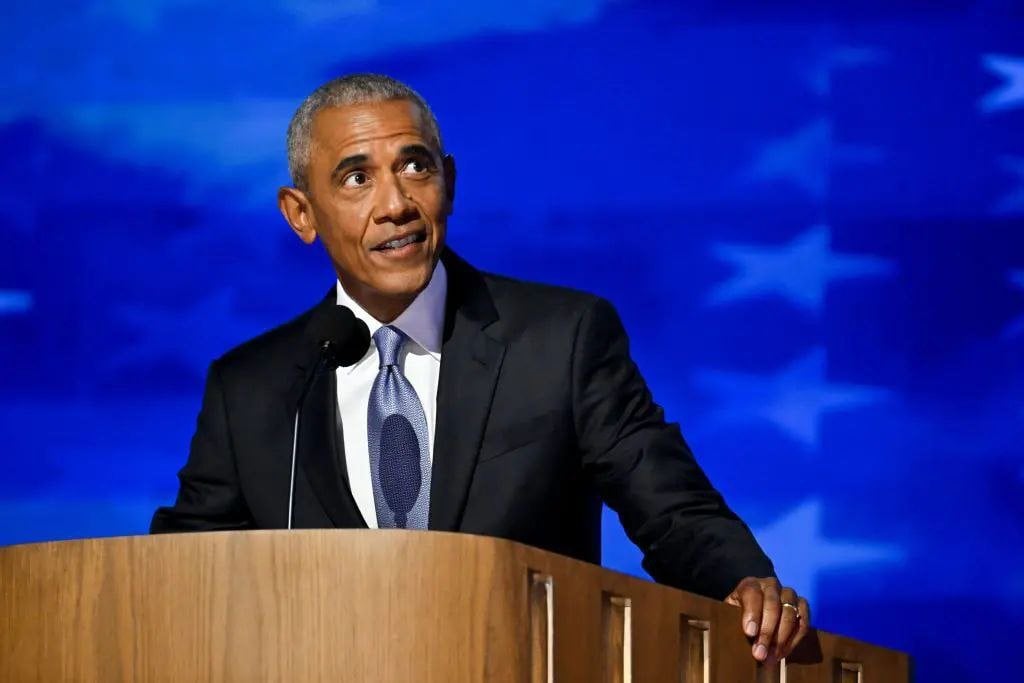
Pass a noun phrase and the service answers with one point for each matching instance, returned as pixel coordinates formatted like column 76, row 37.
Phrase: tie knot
column 389, row 341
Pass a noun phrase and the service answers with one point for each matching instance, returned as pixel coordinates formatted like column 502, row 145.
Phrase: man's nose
column 393, row 205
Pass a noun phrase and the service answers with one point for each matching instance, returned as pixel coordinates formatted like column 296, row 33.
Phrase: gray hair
column 351, row 89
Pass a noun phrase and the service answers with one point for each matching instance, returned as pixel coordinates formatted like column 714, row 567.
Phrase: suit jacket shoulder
column 522, row 305
column 269, row 360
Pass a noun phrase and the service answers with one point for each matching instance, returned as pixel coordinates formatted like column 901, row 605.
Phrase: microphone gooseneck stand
column 321, row 364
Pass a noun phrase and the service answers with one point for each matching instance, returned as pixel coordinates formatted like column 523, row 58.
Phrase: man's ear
column 448, row 161
column 296, row 209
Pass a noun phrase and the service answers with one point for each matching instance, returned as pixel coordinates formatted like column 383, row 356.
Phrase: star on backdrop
column 14, row 301
column 1013, row 201
column 801, row 552
column 803, row 158
column 794, row 399
column 1015, row 326
column 799, row 271
column 1011, row 93
column 194, row 336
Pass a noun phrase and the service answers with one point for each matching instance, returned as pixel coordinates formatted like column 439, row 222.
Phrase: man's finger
column 805, row 624
column 751, row 600
column 769, row 620
column 789, row 622
column 803, row 627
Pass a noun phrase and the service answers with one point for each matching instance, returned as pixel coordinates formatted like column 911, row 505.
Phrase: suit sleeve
column 644, row 470
column 209, row 495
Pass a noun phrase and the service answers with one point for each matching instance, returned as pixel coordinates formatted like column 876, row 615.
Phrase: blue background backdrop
column 809, row 215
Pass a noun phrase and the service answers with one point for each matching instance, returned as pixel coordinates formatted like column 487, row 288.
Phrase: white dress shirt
column 420, row 362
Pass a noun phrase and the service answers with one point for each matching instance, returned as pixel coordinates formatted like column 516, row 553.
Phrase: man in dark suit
column 484, row 404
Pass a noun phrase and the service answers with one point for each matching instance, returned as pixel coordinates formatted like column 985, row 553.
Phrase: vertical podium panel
column 303, row 606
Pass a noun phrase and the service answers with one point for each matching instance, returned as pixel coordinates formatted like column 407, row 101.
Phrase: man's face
column 379, row 195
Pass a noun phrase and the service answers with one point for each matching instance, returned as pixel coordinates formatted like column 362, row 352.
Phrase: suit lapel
column 470, row 364
column 321, row 450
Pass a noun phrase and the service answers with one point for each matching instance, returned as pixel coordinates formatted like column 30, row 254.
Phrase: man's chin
column 408, row 282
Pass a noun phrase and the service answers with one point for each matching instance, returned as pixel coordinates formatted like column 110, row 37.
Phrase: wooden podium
column 374, row 607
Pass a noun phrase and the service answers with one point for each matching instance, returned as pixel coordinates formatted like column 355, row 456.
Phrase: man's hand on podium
column 776, row 617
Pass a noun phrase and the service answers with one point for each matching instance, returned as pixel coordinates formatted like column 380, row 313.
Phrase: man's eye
column 415, row 166
column 355, row 179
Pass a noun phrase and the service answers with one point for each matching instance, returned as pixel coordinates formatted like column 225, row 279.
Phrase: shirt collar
column 422, row 321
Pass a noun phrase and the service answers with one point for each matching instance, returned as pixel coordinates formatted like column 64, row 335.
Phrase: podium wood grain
column 374, row 606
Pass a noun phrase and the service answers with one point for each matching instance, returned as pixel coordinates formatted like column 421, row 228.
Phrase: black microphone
column 338, row 338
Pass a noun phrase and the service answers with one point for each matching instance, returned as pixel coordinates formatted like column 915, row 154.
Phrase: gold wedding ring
column 793, row 607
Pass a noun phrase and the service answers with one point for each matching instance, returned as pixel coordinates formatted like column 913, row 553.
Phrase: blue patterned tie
column 397, row 435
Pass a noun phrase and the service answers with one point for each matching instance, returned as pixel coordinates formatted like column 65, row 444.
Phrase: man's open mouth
column 399, row 242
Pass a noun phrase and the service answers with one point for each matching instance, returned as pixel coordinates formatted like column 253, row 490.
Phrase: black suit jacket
column 541, row 415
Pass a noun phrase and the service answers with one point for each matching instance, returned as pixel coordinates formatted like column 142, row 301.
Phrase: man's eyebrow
column 416, row 149
column 349, row 162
